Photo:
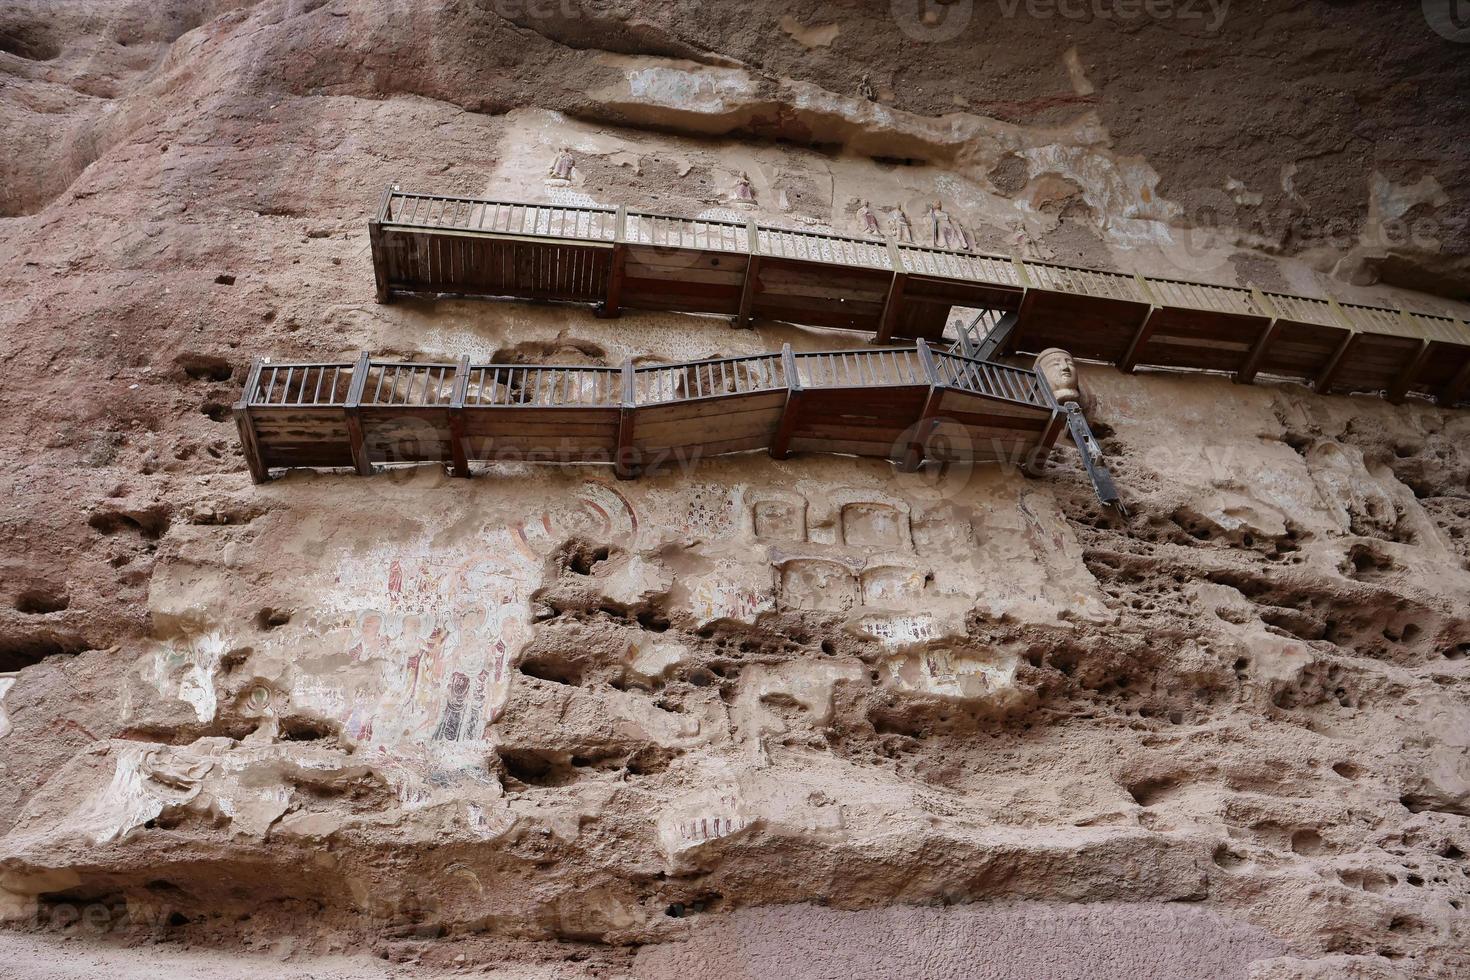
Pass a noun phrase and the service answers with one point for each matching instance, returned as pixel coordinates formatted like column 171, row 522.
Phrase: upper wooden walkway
column 432, row 243
column 907, row 404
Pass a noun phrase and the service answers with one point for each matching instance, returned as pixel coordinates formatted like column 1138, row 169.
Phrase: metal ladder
column 985, row 335
column 997, row 327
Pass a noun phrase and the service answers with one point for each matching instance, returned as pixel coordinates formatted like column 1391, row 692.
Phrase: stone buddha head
column 1060, row 372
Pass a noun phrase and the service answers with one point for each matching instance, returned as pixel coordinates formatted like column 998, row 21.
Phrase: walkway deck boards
column 616, row 258
column 905, row 404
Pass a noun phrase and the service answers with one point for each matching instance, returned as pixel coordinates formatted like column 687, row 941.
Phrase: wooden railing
column 991, row 379
column 817, row 400
column 448, row 244
column 437, row 211
column 644, row 228
column 543, row 386
column 428, row 385
column 663, row 383
column 283, row 385
column 861, row 368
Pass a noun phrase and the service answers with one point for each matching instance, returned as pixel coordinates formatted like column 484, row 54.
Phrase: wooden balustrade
column 872, row 402
column 617, row 258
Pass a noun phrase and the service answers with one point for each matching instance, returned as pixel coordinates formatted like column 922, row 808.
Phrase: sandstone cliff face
column 561, row 725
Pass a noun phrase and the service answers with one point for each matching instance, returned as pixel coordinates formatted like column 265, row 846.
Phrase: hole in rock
column 204, row 367
column 39, row 602
column 151, row 522
column 555, row 670
column 20, row 651
column 271, row 618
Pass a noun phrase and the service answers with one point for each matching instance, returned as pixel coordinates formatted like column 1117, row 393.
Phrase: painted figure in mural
column 369, row 637
column 1060, row 372
column 744, row 192
column 561, row 168
column 395, row 577
column 412, row 642
column 945, row 232
column 867, row 220
column 453, row 719
column 472, row 729
column 900, row 229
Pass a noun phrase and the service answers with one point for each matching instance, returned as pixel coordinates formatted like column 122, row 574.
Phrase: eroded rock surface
column 560, row 725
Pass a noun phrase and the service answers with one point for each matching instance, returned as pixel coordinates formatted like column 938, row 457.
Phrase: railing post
column 1450, row 393
column 623, row 463
column 617, row 270
column 246, row 426
column 381, row 271
column 913, row 456
column 1328, row 374
column 781, row 441
column 752, row 271
column 888, row 319
column 354, row 419
column 1247, row 372
column 457, row 450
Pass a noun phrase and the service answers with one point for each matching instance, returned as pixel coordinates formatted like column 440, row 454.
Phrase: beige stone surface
column 546, row 724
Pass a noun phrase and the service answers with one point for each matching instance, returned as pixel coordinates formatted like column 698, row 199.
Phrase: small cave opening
column 41, row 600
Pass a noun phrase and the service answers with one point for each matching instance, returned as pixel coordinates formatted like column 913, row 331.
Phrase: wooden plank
column 1252, row 366
column 244, row 424
column 891, row 303
column 1146, row 328
column 1323, row 382
column 354, row 421
column 458, row 456
column 791, row 414
column 612, row 304
column 624, row 460
column 1400, row 386
column 1451, row 392
column 913, row 458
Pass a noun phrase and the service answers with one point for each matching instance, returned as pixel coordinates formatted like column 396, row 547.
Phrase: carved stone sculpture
column 1060, row 372
column 900, row 228
column 744, row 193
column 868, row 220
column 562, row 167
column 945, row 232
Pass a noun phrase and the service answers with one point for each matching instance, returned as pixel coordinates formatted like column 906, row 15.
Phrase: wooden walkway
column 908, row 404
column 428, row 243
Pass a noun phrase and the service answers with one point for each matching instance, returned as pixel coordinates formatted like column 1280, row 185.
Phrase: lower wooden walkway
column 429, row 243
column 907, row 404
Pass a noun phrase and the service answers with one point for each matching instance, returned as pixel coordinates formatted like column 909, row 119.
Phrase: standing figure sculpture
column 744, row 193
column 945, row 232
column 868, row 220
column 561, row 168
column 900, row 228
